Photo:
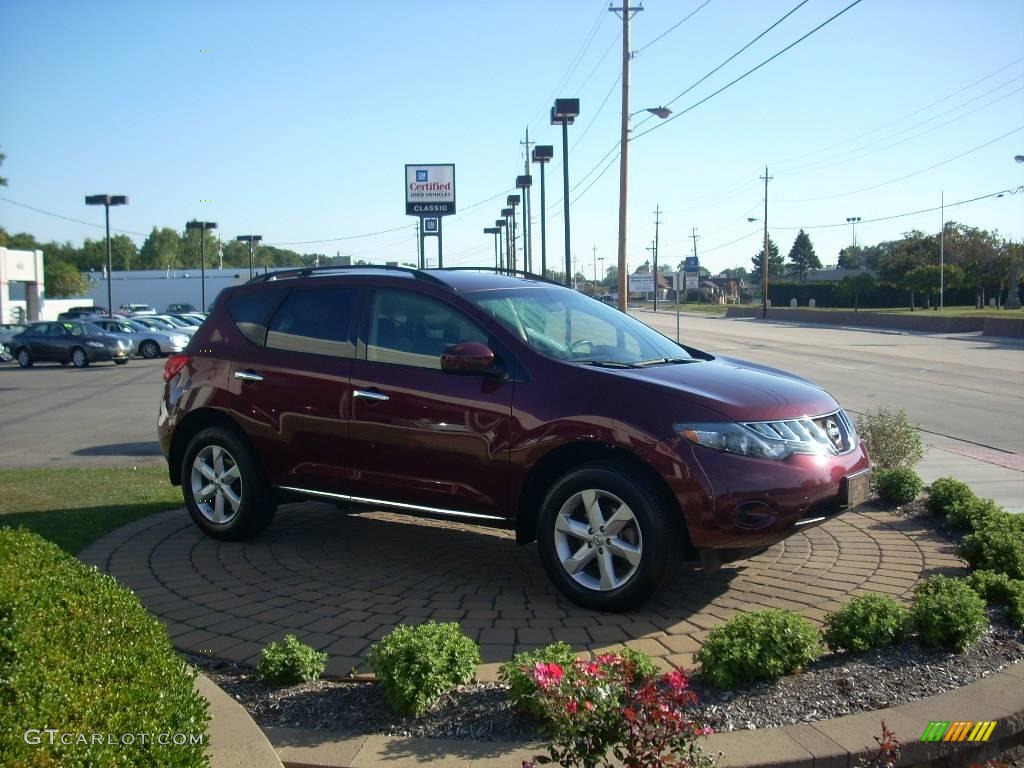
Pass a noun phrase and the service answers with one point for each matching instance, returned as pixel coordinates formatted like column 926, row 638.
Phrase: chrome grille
column 831, row 433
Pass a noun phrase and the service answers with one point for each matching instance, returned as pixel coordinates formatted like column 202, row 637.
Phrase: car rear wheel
column 149, row 349
column 120, row 362
column 79, row 358
column 603, row 539
column 24, row 358
column 224, row 488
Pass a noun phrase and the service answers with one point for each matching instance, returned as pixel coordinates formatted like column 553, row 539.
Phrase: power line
column 748, row 72
column 909, row 175
column 69, row 218
column 343, row 237
column 692, row 13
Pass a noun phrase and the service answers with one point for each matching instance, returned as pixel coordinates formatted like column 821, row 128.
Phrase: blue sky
column 297, row 122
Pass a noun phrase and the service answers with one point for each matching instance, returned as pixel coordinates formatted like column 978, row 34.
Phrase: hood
column 738, row 390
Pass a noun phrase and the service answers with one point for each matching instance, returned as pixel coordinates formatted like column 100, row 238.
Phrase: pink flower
column 676, row 680
column 589, row 706
column 609, row 658
column 572, row 706
column 547, row 675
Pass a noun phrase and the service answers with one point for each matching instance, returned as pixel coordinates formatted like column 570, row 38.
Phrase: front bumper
column 757, row 502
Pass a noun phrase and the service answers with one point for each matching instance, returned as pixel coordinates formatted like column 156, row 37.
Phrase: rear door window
column 316, row 321
column 251, row 311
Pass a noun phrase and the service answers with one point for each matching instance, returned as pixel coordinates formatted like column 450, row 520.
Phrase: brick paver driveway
column 339, row 582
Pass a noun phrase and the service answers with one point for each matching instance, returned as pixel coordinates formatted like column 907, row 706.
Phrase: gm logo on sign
column 421, row 176
column 959, row 730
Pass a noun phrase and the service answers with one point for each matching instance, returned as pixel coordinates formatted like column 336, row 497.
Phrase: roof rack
column 510, row 272
column 295, row 272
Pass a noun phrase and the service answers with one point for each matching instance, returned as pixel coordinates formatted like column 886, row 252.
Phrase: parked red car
column 504, row 401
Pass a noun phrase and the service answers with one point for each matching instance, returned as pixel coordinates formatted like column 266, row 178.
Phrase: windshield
column 567, row 325
column 153, row 324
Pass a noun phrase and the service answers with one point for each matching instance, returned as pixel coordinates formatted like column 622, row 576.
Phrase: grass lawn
column 692, row 306
column 73, row 507
column 946, row 312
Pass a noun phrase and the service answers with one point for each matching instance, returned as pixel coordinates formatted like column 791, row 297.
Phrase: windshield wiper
column 666, row 361
column 605, row 363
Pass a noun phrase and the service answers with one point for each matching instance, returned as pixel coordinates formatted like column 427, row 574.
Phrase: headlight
column 95, row 344
column 734, row 438
column 179, row 340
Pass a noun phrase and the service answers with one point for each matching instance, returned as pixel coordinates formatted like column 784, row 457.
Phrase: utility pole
column 942, row 253
column 653, row 248
column 765, row 259
column 693, row 234
column 594, row 249
column 627, row 12
column 527, row 213
column 657, row 223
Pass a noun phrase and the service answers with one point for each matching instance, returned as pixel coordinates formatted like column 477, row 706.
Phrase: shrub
column 593, row 708
column 79, row 653
column 972, row 514
column 994, row 588
column 758, row 646
column 1015, row 604
column 947, row 613
column 418, row 665
column 892, row 441
column 291, row 662
column 899, row 486
column 947, row 492
column 997, row 544
column 518, row 674
column 644, row 667
column 866, row 622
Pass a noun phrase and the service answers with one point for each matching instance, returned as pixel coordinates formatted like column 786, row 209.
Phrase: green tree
column 854, row 286
column 63, row 279
column 775, row 267
column 735, row 273
column 3, row 181
column 192, row 254
column 981, row 255
column 123, row 253
column 926, row 280
column 802, row 256
column 916, row 249
column 161, row 250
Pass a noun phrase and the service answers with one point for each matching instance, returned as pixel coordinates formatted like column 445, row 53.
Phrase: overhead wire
column 671, row 29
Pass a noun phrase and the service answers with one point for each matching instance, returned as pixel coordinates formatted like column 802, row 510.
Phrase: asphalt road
column 963, row 389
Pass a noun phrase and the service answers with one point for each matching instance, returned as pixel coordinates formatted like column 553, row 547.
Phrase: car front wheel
column 149, row 350
column 24, row 358
column 603, row 540
column 78, row 358
column 224, row 488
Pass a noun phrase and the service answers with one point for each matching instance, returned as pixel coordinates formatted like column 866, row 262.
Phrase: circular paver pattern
column 340, row 581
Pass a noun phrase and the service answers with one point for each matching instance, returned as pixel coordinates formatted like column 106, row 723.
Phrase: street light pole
column 106, row 201
column 564, row 112
column 766, row 259
column 512, row 201
column 523, row 183
column 509, row 214
column 657, row 223
column 852, row 221
column 542, row 154
column 202, row 226
column 499, row 225
column 250, row 239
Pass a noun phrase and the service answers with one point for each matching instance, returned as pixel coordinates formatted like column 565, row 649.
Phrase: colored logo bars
column 958, row 730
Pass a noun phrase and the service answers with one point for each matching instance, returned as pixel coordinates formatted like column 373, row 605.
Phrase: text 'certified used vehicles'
column 504, row 401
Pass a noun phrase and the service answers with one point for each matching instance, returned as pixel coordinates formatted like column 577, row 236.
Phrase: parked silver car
column 145, row 341
column 162, row 324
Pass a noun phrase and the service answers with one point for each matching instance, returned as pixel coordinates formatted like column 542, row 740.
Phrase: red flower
column 676, row 680
column 572, row 706
column 589, row 706
column 547, row 675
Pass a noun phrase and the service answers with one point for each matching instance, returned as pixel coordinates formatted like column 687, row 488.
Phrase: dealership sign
column 641, row 283
column 429, row 190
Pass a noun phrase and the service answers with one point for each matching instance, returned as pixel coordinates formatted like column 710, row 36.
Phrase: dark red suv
column 503, row 401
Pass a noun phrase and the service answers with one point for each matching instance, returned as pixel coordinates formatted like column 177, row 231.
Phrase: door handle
column 249, row 375
column 376, row 397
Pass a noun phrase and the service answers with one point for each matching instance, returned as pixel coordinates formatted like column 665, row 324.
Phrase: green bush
column 866, row 622
column 947, row 613
column 291, row 662
column 417, row 665
column 997, row 544
column 80, row 654
column 1015, row 604
column 892, row 441
column 899, row 486
column 644, row 667
column 947, row 492
column 517, row 674
column 994, row 588
column 972, row 514
column 758, row 646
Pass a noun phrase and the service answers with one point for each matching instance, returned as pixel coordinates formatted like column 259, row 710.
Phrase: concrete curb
column 235, row 740
column 838, row 743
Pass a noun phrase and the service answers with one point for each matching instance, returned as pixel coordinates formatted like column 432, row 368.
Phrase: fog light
column 753, row 515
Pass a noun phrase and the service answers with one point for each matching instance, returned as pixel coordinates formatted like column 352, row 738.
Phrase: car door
column 34, row 338
column 419, row 436
column 54, row 344
column 292, row 382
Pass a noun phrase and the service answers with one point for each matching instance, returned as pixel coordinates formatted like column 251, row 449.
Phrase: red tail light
column 174, row 364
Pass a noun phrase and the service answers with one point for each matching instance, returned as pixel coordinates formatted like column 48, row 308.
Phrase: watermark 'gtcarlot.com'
column 37, row 736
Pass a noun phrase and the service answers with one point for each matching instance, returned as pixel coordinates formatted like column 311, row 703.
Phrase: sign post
column 429, row 195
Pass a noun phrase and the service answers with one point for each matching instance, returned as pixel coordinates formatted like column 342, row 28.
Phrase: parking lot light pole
column 852, row 221
column 494, row 231
column 564, row 113
column 542, row 155
column 524, row 183
column 250, row 239
column 512, row 201
column 500, row 225
column 202, row 226
column 106, row 201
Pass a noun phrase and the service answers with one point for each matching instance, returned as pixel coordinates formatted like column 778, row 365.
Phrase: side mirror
column 470, row 357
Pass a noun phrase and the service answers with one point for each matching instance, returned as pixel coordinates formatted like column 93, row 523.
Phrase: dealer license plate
column 858, row 488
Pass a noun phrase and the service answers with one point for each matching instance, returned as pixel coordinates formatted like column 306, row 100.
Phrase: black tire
column 121, row 362
column 256, row 504
column 24, row 358
column 649, row 536
column 78, row 358
column 149, row 349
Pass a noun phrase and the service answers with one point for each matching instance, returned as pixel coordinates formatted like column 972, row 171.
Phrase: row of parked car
column 84, row 335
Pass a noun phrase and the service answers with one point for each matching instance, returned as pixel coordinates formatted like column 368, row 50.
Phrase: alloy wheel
column 216, row 483
column 597, row 539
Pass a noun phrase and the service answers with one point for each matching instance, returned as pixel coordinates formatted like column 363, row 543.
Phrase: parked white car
column 145, row 341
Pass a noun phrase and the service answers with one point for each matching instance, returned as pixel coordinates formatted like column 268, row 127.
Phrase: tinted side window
column 409, row 329
column 315, row 320
column 251, row 312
